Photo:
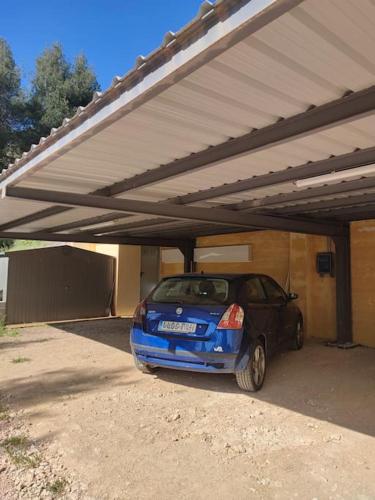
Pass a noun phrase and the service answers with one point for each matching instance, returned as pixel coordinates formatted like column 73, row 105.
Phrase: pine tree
column 11, row 106
column 82, row 83
column 59, row 88
column 5, row 245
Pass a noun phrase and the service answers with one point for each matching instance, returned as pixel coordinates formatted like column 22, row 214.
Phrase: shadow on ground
column 17, row 344
column 321, row 382
column 113, row 332
column 57, row 385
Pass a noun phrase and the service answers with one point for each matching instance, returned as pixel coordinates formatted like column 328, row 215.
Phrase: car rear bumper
column 214, row 355
column 185, row 360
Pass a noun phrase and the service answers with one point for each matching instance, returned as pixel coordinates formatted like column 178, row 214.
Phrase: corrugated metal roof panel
column 59, row 219
column 11, row 209
column 308, row 56
column 169, row 127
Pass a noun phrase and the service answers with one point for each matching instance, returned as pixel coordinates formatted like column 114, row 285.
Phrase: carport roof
column 210, row 132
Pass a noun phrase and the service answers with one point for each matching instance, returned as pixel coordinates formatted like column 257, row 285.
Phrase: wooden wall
column 363, row 281
column 290, row 259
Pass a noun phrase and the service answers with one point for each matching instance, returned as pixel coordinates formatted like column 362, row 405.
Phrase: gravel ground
column 102, row 430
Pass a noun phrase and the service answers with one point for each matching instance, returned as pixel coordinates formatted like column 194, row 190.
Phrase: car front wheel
column 252, row 377
column 298, row 339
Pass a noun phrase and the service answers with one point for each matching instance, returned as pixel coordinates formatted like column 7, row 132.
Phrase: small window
column 252, row 291
column 273, row 290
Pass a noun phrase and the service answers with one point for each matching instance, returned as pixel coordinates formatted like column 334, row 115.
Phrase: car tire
column 251, row 379
column 298, row 338
column 142, row 367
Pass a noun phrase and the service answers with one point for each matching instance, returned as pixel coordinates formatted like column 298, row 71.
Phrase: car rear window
column 206, row 291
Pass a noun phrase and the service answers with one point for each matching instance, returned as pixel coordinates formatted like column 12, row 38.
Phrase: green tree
column 11, row 106
column 59, row 88
column 5, row 245
column 49, row 100
column 81, row 84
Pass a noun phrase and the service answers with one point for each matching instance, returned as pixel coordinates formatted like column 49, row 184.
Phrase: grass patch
column 4, row 413
column 15, row 442
column 20, row 359
column 16, row 447
column 23, row 460
column 7, row 332
column 12, row 332
column 57, row 487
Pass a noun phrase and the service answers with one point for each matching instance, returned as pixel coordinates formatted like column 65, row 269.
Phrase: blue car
column 216, row 323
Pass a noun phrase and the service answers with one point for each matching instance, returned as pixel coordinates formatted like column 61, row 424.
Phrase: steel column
column 188, row 251
column 343, row 290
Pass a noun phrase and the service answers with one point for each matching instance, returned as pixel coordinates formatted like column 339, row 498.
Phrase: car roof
column 227, row 276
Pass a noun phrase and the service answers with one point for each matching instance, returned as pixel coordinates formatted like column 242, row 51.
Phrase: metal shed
column 58, row 283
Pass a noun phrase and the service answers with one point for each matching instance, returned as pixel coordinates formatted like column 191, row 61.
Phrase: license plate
column 177, row 327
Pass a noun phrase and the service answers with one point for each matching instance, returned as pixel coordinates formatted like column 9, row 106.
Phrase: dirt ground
column 309, row 434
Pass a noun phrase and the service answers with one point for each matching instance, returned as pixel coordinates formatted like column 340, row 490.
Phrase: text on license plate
column 177, row 326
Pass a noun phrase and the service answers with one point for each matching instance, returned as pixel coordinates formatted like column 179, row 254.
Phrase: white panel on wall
column 172, row 256
column 234, row 253
column 3, row 278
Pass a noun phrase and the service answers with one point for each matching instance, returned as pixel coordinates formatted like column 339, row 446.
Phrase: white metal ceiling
column 309, row 56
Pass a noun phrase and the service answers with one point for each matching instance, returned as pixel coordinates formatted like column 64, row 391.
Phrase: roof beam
column 90, row 221
column 305, row 195
column 365, row 214
column 195, row 230
column 310, row 169
column 85, row 238
column 349, row 212
column 213, row 215
column 356, row 104
column 140, row 224
column 336, row 203
column 170, row 225
column 166, row 223
column 42, row 214
column 198, row 231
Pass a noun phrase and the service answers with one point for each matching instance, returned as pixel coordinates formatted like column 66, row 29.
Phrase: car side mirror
column 292, row 296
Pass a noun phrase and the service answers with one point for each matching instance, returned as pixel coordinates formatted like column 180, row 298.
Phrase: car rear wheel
column 298, row 339
column 142, row 367
column 252, row 377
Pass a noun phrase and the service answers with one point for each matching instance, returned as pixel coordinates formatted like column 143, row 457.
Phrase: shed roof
column 210, row 133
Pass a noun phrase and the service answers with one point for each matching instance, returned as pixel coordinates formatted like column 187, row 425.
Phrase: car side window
column 274, row 292
column 252, row 291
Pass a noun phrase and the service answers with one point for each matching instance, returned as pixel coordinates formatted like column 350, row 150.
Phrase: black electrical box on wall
column 324, row 263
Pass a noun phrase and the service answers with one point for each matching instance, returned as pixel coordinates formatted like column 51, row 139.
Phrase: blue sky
column 112, row 33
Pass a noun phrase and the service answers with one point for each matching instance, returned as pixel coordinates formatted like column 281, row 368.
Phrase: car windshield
column 191, row 290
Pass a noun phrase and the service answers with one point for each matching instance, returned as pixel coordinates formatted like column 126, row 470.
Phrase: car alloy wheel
column 298, row 338
column 259, row 365
column 252, row 377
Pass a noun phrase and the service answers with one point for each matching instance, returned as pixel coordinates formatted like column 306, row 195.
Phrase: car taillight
column 140, row 312
column 232, row 319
